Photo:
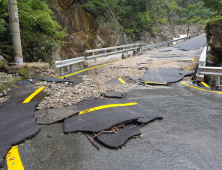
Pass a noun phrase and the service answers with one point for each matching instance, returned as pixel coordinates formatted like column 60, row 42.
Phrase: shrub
column 25, row 72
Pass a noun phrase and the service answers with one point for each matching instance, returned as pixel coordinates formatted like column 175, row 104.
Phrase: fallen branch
column 50, row 154
column 92, row 142
column 104, row 132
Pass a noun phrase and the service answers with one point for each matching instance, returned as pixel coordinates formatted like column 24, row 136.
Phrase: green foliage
column 2, row 64
column 39, row 32
column 214, row 5
column 195, row 13
column 25, row 72
column 3, row 87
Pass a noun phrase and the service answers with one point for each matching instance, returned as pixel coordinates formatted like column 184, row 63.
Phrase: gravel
column 65, row 94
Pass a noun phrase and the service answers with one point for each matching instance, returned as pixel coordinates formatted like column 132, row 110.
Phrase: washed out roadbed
column 65, row 94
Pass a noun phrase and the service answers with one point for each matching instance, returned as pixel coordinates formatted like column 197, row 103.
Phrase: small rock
column 38, row 108
column 37, row 84
column 48, row 94
column 4, row 92
column 1, row 94
column 124, row 57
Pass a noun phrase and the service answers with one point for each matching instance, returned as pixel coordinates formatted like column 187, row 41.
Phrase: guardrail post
column 105, row 52
column 218, row 81
column 61, row 72
column 81, row 65
column 71, row 68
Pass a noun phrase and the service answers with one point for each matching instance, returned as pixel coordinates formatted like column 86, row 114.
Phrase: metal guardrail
column 118, row 49
column 70, row 62
column 123, row 47
column 171, row 42
column 211, row 71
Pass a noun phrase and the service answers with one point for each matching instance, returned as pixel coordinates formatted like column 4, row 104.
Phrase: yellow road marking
column 13, row 159
column 205, row 84
column 86, row 70
column 155, row 83
column 106, row 106
column 122, row 81
column 33, row 95
column 219, row 92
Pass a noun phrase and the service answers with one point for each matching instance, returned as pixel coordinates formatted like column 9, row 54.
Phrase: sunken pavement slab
column 107, row 117
column 52, row 79
column 113, row 94
column 50, row 116
column 163, row 75
column 119, row 139
column 16, row 125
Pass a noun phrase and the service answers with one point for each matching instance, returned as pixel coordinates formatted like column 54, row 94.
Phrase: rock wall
column 214, row 38
column 166, row 33
column 87, row 31
column 80, row 25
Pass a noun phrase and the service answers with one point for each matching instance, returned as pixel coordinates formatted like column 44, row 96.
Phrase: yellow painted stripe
column 205, row 84
column 85, row 70
column 219, row 92
column 122, row 81
column 155, row 83
column 13, row 159
column 33, row 95
column 105, row 107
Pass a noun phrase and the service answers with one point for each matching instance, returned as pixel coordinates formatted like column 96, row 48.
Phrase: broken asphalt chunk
column 51, row 116
column 112, row 94
column 52, row 79
column 118, row 139
column 104, row 114
column 16, row 125
column 162, row 76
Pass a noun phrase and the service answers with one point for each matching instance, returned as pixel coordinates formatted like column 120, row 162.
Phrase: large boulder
column 214, row 37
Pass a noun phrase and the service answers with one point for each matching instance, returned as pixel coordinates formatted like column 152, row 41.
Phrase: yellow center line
column 13, row 159
column 122, row 81
column 33, row 95
column 219, row 92
column 105, row 107
column 205, row 84
column 85, row 70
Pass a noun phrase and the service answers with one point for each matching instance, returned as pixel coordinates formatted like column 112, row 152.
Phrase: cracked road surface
column 189, row 136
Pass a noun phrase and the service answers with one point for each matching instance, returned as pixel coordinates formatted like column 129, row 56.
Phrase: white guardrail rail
column 210, row 71
column 118, row 49
column 113, row 50
column 172, row 41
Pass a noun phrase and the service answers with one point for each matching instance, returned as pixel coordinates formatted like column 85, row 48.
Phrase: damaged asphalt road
column 188, row 137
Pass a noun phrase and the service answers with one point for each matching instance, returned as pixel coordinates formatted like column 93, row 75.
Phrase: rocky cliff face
column 214, row 38
column 80, row 25
column 87, row 31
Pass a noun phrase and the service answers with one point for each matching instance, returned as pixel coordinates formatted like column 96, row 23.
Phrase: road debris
column 92, row 142
column 50, row 154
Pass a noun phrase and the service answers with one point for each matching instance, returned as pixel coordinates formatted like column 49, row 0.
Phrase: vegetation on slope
column 40, row 33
